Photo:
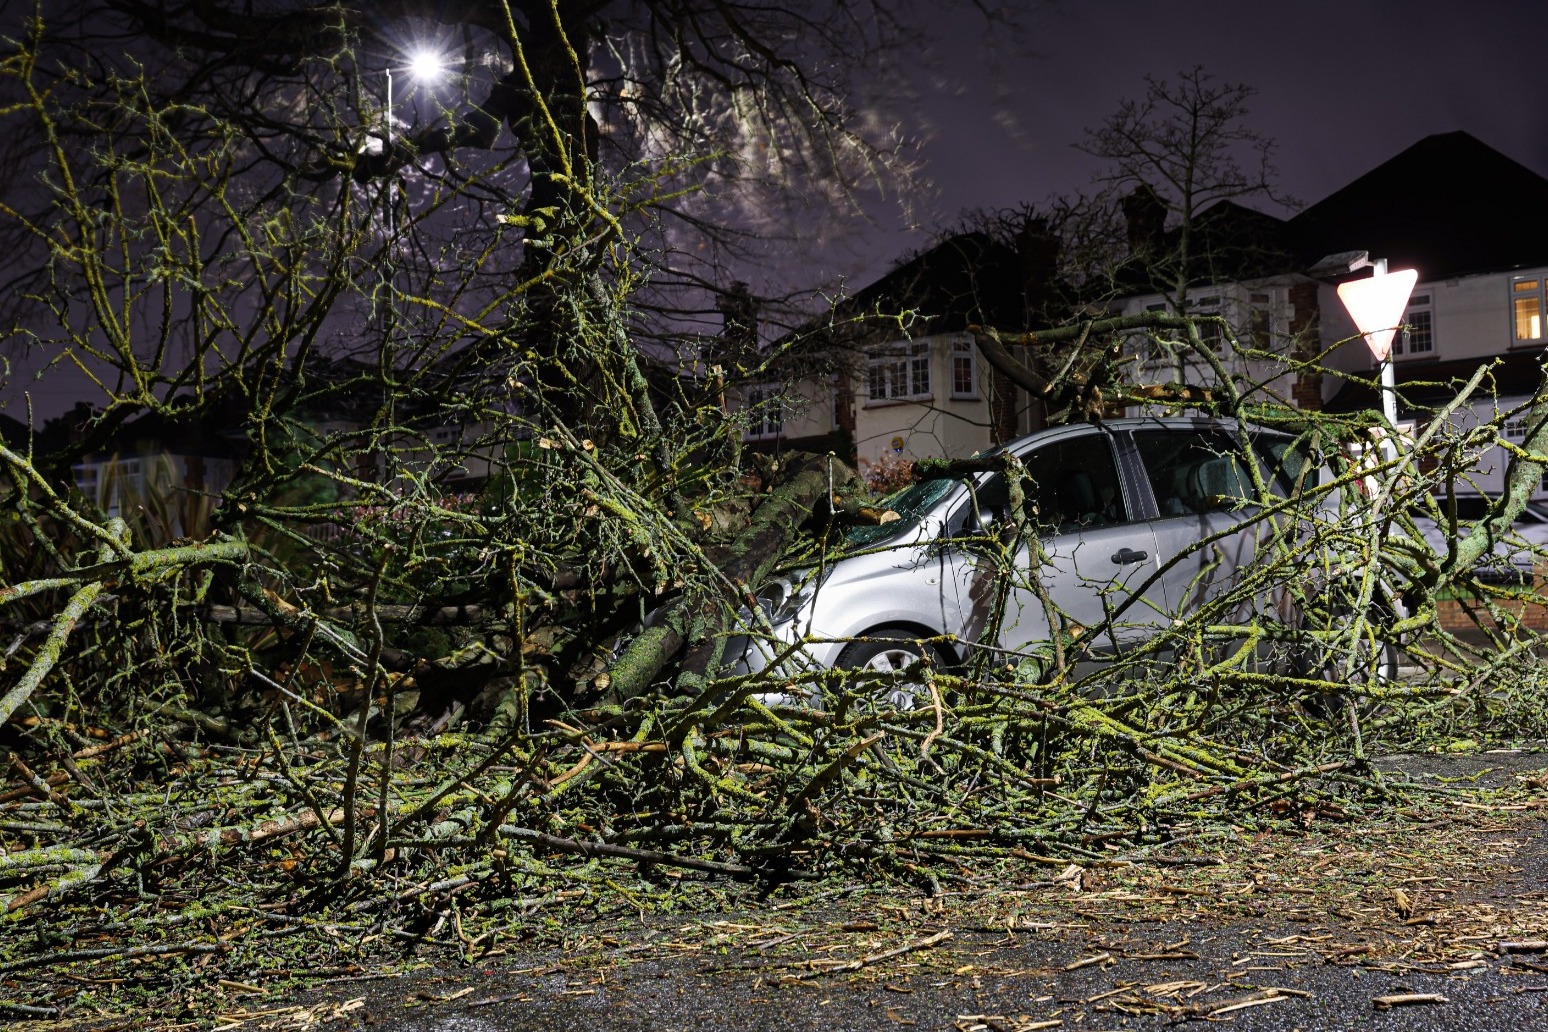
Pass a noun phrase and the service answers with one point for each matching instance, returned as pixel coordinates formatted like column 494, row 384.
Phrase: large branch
column 749, row 560
column 90, row 582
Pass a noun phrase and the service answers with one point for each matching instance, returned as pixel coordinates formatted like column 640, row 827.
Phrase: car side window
column 1069, row 485
column 1193, row 472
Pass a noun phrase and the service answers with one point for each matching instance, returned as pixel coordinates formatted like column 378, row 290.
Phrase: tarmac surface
column 1442, row 925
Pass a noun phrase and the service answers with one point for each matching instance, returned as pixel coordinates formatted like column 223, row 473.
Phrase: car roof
column 1126, row 423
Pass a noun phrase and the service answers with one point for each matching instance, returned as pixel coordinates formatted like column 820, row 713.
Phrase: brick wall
column 1523, row 615
column 1305, row 317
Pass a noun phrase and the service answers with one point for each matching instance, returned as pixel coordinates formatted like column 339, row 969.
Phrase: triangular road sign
column 1376, row 305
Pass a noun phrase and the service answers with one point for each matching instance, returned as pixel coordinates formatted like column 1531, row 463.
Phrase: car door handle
column 1125, row 556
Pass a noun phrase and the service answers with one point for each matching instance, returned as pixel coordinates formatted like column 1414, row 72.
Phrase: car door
column 1088, row 559
column 1205, row 500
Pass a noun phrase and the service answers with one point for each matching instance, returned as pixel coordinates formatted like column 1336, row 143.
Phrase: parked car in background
column 1513, row 559
column 1139, row 521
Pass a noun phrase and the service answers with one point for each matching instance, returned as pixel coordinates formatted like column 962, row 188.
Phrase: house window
column 86, row 480
column 1153, row 346
column 1515, row 428
column 1417, row 337
column 1526, row 300
column 964, row 369
column 899, row 373
column 1210, row 332
column 1260, row 326
column 765, row 411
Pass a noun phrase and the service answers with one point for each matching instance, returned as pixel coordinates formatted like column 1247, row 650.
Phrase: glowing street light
column 424, row 65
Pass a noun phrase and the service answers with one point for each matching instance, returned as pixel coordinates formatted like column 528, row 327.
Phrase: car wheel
column 892, row 651
column 1318, row 652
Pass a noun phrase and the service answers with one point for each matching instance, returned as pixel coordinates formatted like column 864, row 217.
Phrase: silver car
column 1138, row 521
column 1512, row 559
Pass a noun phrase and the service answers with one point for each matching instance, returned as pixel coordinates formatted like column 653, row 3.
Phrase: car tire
column 1371, row 661
column 888, row 650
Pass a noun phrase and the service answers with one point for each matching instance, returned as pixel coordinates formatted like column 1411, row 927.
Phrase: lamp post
column 1376, row 305
column 423, row 66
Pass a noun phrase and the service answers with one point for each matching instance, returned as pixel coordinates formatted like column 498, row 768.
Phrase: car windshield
column 911, row 503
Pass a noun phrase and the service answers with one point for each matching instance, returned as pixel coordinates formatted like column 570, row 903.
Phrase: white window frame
column 1421, row 307
column 964, row 370
column 899, row 372
column 1212, row 334
column 1261, row 310
column 1528, row 289
column 764, row 405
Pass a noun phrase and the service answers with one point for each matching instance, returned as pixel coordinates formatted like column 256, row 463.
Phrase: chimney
column 1037, row 250
column 1145, row 213
column 739, row 326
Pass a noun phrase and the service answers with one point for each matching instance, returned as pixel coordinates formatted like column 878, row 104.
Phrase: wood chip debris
column 1242, row 1003
column 1525, row 946
column 1001, row 1023
column 856, row 965
column 1101, row 958
column 1407, row 1000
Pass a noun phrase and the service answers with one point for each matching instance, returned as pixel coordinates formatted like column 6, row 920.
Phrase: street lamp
column 424, row 66
column 1376, row 305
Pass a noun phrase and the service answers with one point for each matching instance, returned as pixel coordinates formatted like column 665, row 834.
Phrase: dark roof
column 1227, row 242
column 1436, row 383
column 13, row 432
column 1449, row 205
column 965, row 279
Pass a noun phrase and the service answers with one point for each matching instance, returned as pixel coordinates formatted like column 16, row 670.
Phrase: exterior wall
column 1472, row 320
column 805, row 410
column 1471, row 317
column 1488, row 464
column 1261, row 378
column 1521, row 615
column 936, row 425
column 797, row 415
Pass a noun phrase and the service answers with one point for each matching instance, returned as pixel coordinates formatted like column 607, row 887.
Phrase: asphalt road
column 1436, row 926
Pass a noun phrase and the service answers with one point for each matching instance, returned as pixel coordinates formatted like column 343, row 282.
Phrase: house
column 893, row 374
column 1239, row 265
column 902, row 378
column 163, row 472
column 1474, row 224
column 166, row 471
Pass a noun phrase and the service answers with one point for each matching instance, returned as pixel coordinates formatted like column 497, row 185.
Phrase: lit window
column 899, row 373
column 1526, row 298
column 964, row 370
column 1417, row 337
column 765, row 411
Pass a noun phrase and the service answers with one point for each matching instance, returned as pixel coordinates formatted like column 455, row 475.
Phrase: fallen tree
column 359, row 697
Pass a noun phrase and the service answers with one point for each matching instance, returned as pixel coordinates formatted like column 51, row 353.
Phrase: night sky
column 1342, row 87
